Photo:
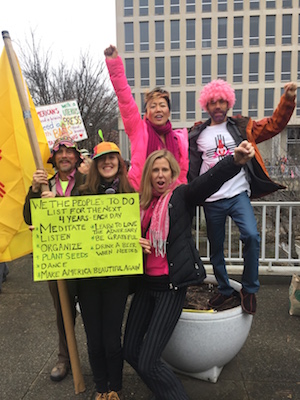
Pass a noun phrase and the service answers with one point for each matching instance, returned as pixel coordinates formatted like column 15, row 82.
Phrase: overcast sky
column 64, row 27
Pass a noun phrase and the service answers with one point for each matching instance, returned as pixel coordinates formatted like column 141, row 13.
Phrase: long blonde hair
column 146, row 185
column 93, row 178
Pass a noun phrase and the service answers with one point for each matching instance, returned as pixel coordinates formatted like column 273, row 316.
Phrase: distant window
column 175, row 101
column 287, row 3
column 222, row 32
column 238, row 67
column 298, row 69
column 270, row 3
column 270, row 29
column 128, row 8
column 206, row 5
column 190, row 34
column 270, row 66
column 190, row 105
column 175, row 34
column 175, row 70
column 269, row 102
column 254, row 4
column 159, row 7
column 286, row 29
column 159, row 35
column 128, row 32
column 129, row 68
column 190, row 6
column 222, row 66
column 252, row 102
column 286, row 65
column 298, row 102
column 238, row 31
column 222, row 5
column 238, row 5
column 160, row 71
column 206, row 33
column 237, row 108
column 293, row 139
column 254, row 31
column 144, row 36
column 190, row 70
column 174, row 7
column 142, row 105
column 145, row 77
column 143, row 7
column 206, row 68
column 253, row 67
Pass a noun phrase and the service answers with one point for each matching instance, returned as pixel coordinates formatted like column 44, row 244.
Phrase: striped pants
column 152, row 318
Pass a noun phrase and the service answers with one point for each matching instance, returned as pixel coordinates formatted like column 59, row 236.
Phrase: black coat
column 185, row 265
column 79, row 179
column 260, row 182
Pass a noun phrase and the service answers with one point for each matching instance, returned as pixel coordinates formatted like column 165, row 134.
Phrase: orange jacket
column 242, row 128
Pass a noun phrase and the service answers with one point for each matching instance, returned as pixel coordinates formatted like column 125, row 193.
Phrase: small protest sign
column 61, row 119
column 86, row 236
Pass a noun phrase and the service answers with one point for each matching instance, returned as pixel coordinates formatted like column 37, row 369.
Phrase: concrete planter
column 203, row 342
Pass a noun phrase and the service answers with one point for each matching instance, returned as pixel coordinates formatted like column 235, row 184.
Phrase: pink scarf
column 158, row 214
column 155, row 142
column 71, row 179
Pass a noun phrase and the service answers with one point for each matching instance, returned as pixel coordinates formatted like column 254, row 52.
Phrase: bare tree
column 87, row 83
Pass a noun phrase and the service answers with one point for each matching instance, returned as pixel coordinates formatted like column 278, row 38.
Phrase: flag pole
column 61, row 284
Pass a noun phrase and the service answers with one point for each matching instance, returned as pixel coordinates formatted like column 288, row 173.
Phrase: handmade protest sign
column 61, row 119
column 86, row 236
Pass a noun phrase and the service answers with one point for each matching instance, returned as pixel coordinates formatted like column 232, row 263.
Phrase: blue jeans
column 240, row 210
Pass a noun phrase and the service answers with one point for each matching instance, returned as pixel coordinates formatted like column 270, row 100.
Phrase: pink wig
column 215, row 90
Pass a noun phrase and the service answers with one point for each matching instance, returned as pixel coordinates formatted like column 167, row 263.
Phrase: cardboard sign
column 86, row 236
column 62, row 119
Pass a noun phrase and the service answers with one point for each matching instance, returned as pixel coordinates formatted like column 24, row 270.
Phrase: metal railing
column 279, row 226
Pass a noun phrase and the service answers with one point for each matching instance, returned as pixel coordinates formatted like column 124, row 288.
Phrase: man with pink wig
column 213, row 140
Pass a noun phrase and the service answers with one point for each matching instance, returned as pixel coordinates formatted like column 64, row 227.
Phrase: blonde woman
column 171, row 262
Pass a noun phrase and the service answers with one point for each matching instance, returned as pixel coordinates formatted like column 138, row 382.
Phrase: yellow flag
column 16, row 165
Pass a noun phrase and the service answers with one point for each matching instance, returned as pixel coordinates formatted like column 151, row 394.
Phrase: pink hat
column 216, row 90
column 66, row 141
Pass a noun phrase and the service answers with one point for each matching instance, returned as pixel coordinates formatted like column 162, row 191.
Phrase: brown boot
column 101, row 396
column 115, row 395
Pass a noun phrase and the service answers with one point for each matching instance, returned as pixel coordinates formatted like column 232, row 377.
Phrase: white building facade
column 181, row 45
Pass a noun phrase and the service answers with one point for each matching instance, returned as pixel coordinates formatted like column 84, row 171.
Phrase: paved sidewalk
column 267, row 367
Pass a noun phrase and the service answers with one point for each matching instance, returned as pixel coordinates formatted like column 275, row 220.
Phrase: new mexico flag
column 16, row 165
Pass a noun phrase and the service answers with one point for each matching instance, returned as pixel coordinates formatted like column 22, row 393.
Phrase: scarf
column 158, row 214
column 155, row 142
column 59, row 189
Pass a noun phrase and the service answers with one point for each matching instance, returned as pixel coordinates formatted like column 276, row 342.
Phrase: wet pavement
column 266, row 368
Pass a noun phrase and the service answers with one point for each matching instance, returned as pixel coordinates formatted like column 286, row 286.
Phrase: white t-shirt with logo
column 215, row 143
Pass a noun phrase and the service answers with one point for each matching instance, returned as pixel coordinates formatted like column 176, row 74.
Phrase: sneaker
column 101, row 396
column 248, row 302
column 219, row 300
column 59, row 372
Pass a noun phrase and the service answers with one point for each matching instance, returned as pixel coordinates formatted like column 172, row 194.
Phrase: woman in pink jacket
column 152, row 133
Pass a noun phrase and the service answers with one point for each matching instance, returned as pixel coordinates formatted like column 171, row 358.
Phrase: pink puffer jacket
column 136, row 128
